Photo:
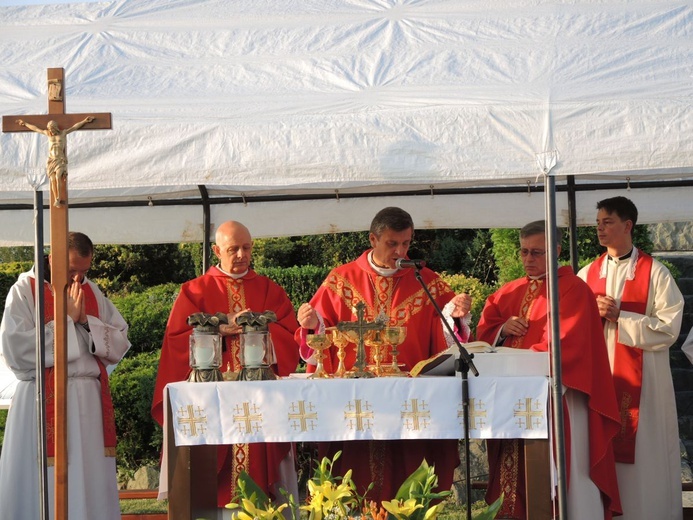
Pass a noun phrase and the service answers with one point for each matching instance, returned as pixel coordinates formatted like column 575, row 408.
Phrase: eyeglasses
column 534, row 253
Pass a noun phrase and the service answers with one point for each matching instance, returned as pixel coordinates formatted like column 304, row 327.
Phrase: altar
column 296, row 409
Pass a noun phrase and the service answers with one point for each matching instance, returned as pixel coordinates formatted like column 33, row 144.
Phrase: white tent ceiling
column 304, row 117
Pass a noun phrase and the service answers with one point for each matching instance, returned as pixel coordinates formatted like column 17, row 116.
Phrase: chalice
column 374, row 340
column 394, row 336
column 319, row 343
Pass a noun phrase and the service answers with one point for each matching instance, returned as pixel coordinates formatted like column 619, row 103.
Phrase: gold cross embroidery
column 302, row 419
column 249, row 422
column 529, row 414
column 624, row 411
column 415, row 418
column 361, row 415
column 477, row 413
column 192, row 420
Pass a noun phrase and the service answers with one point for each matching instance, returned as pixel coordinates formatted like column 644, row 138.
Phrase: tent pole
column 204, row 196
column 555, row 346
column 572, row 223
column 39, row 274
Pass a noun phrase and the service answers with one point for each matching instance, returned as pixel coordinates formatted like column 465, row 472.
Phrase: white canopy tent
column 307, row 117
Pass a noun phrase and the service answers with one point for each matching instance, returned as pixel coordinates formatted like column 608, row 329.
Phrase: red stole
column 627, row 371
column 107, row 412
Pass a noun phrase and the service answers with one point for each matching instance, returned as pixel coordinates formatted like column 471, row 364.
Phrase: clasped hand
column 75, row 302
column 231, row 328
column 608, row 309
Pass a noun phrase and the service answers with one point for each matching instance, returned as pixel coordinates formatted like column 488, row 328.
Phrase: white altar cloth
column 308, row 410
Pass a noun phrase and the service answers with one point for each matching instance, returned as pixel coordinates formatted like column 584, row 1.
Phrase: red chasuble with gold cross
column 401, row 298
column 216, row 292
column 584, row 368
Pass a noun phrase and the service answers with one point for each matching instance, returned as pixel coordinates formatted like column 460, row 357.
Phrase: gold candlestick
column 340, row 340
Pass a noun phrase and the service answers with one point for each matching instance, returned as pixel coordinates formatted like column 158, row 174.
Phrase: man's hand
column 463, row 303
column 515, row 326
column 307, row 317
column 75, row 303
column 608, row 308
column 231, row 328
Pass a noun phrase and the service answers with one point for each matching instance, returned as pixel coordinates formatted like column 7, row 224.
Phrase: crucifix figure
column 57, row 172
column 56, row 166
column 360, row 327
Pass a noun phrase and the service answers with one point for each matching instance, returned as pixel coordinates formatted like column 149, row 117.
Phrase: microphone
column 402, row 263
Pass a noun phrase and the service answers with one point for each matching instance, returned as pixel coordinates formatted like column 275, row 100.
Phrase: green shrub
column 9, row 272
column 147, row 313
column 3, row 420
column 300, row 283
column 132, row 387
column 14, row 269
column 477, row 290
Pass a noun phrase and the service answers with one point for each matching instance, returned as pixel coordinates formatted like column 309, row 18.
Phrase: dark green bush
column 132, row 387
column 146, row 313
column 300, row 283
column 9, row 272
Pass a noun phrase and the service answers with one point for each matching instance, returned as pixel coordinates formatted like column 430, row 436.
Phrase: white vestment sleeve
column 659, row 328
column 108, row 331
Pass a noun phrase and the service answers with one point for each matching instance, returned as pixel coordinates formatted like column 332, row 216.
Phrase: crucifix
column 56, row 125
column 360, row 327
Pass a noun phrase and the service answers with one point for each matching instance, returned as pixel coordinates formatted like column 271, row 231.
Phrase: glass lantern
column 205, row 350
column 205, row 346
column 257, row 356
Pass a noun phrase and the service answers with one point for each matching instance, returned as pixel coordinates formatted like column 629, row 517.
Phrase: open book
column 443, row 363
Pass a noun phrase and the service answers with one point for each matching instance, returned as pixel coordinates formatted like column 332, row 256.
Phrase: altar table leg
column 538, row 479
column 192, row 479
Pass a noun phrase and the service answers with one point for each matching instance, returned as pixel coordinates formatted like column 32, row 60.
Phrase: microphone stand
column 463, row 364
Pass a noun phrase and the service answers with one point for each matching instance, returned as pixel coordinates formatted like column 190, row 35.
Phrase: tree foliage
column 130, row 268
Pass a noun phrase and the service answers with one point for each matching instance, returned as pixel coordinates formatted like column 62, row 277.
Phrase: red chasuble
column 400, row 297
column 584, row 368
column 216, row 292
column 627, row 360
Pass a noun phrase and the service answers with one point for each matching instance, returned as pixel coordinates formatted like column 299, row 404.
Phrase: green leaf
column 491, row 511
column 251, row 491
column 415, row 481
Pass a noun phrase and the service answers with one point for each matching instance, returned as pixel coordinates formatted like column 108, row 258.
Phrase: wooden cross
column 55, row 125
column 360, row 326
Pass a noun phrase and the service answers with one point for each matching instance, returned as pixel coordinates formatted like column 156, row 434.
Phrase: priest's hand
column 515, row 326
column 75, row 302
column 307, row 317
column 608, row 309
column 462, row 304
column 231, row 328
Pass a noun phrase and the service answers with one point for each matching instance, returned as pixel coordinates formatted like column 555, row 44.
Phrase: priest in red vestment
column 395, row 294
column 233, row 287
column 516, row 316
